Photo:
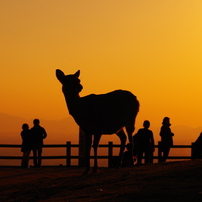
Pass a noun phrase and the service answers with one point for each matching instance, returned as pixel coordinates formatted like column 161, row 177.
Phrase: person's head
column 146, row 124
column 25, row 126
column 166, row 121
column 36, row 122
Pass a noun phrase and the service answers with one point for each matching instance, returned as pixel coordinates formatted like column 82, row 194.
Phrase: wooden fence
column 68, row 156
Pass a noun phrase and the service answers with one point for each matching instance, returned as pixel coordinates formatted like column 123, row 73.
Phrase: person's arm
column 22, row 135
column 152, row 141
column 162, row 131
column 44, row 133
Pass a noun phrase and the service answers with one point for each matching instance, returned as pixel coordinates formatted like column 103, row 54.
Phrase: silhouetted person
column 27, row 145
column 39, row 134
column 126, row 160
column 144, row 143
column 166, row 138
column 197, row 148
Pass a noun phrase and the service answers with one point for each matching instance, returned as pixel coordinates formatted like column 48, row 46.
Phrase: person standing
column 27, row 145
column 39, row 134
column 166, row 138
column 144, row 143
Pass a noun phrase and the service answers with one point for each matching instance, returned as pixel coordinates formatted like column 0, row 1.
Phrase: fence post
column 68, row 154
column 194, row 152
column 82, row 157
column 110, row 154
column 159, row 152
column 151, row 160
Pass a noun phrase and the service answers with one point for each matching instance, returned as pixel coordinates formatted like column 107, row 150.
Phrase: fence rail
column 109, row 157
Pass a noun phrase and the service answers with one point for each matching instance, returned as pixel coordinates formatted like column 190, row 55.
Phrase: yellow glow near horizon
column 152, row 48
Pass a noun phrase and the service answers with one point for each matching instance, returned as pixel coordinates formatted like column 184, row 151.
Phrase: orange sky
column 151, row 48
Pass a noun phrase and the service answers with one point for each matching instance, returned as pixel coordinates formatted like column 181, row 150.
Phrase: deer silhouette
column 100, row 114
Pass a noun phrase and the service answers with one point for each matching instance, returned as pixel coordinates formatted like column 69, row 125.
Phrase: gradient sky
column 151, row 48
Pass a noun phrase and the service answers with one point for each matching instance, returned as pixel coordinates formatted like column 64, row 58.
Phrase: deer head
column 70, row 83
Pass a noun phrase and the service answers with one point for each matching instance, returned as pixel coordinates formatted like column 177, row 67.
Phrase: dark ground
column 174, row 181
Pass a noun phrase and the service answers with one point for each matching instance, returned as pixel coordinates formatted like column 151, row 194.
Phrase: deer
column 100, row 114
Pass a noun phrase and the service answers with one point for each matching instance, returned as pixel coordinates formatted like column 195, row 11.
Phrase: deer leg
column 122, row 137
column 95, row 147
column 88, row 144
column 130, row 130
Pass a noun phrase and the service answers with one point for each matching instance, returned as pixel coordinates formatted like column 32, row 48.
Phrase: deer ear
column 77, row 73
column 60, row 75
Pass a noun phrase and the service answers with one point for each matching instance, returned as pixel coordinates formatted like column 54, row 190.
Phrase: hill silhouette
column 58, row 131
column 67, row 130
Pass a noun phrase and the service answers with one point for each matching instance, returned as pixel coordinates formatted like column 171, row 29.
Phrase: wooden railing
column 68, row 156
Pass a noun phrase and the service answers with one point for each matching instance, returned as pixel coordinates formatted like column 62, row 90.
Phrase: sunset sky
column 151, row 48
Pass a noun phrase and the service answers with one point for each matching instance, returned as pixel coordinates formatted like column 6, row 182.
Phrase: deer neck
column 73, row 104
